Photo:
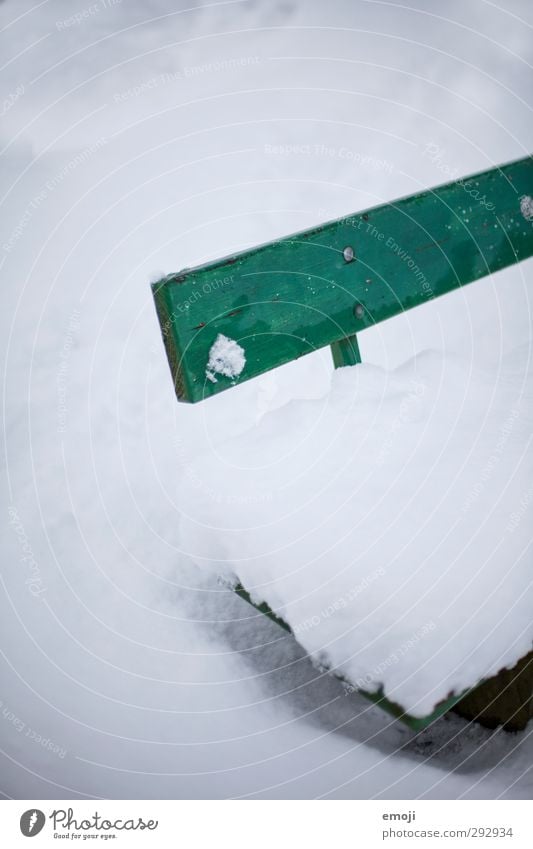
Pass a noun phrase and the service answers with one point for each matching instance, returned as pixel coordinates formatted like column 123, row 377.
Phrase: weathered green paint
column 292, row 296
column 416, row 723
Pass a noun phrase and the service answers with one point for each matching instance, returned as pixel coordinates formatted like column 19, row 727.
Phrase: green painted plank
column 416, row 723
column 292, row 296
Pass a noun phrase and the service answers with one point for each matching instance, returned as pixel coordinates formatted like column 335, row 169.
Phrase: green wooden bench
column 323, row 286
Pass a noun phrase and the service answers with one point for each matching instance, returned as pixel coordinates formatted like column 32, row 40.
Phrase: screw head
column 348, row 254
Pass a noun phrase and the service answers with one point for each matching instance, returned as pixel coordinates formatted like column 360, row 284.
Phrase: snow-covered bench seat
column 385, row 524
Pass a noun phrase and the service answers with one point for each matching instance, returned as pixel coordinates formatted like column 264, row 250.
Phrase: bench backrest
column 264, row 307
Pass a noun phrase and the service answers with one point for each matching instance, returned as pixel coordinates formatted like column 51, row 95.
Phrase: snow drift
column 384, row 522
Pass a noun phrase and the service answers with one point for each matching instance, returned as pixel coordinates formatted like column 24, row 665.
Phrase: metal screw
column 348, row 254
column 359, row 310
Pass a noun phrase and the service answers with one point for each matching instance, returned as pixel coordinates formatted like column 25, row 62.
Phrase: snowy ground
column 137, row 138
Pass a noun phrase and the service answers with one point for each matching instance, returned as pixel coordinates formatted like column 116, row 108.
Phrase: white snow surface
column 159, row 135
column 377, row 522
column 226, row 357
column 526, row 207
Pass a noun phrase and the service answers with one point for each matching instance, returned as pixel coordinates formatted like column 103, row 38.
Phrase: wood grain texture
column 415, row 723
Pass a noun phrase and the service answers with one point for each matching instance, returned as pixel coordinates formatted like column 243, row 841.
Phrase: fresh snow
column 377, row 522
column 226, row 357
column 526, row 207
